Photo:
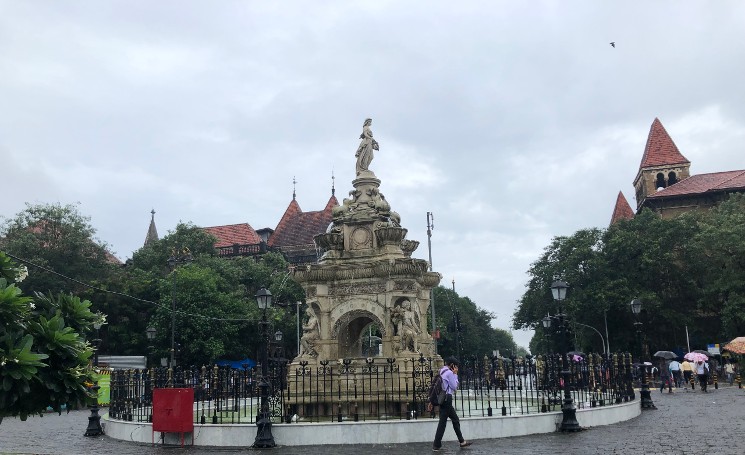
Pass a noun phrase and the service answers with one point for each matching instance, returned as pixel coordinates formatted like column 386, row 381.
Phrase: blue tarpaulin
column 238, row 364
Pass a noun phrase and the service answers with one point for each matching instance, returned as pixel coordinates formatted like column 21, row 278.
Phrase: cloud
column 512, row 123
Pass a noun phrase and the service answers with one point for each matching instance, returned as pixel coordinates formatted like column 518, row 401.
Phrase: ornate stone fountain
column 365, row 282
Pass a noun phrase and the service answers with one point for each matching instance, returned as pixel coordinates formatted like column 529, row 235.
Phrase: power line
column 121, row 294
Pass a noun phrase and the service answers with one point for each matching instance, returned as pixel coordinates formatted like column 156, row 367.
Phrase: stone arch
column 660, row 181
column 672, row 179
column 348, row 330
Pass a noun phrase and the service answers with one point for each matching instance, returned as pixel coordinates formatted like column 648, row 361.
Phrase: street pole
column 607, row 337
column 646, row 396
column 94, row 420
column 264, row 438
column 568, row 410
column 430, row 226
column 177, row 258
column 297, row 317
column 173, row 319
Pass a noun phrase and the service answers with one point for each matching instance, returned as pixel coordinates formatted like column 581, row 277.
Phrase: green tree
column 216, row 313
column 465, row 328
column 59, row 238
column 43, row 354
column 686, row 270
column 720, row 247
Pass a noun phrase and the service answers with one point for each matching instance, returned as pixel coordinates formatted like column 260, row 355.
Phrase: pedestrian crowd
column 700, row 373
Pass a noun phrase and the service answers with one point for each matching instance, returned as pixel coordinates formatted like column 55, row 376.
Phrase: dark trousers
column 687, row 375
column 447, row 411
column 703, row 380
column 676, row 377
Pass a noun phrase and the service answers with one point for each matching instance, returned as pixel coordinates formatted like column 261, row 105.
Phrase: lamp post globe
column 264, row 438
column 559, row 290
column 646, row 396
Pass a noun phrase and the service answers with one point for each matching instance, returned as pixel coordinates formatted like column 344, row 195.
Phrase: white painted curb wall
column 378, row 432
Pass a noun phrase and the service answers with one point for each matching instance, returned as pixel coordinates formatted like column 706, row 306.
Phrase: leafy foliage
column 216, row 313
column 59, row 238
column 686, row 270
column 465, row 328
column 43, row 355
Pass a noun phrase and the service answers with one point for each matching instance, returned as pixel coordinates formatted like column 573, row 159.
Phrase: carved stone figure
column 365, row 150
column 407, row 326
column 311, row 334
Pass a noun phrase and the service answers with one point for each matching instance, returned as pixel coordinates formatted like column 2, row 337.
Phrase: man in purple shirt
column 449, row 374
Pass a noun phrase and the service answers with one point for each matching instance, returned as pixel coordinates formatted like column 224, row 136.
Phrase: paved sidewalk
column 685, row 422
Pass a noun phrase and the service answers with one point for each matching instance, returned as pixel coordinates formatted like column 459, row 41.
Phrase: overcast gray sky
column 513, row 122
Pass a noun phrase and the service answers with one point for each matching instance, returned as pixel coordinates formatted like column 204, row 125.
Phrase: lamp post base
column 569, row 417
column 264, row 438
column 94, row 420
column 646, row 398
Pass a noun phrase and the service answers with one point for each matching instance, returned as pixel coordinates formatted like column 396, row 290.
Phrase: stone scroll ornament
column 311, row 334
column 365, row 150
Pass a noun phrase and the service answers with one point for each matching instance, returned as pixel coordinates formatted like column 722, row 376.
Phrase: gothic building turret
column 662, row 164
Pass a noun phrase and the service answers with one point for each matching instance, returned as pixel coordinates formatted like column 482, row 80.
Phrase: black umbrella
column 667, row 355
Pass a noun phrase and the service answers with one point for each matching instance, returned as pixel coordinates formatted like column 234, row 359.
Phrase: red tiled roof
column 705, row 183
column 231, row 234
column 660, row 149
column 298, row 228
column 622, row 211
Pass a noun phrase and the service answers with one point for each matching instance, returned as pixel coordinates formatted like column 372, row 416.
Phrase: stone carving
column 406, row 321
column 365, row 150
column 311, row 334
column 390, row 235
column 357, row 289
column 408, row 246
column 361, row 238
column 405, row 285
column 329, row 241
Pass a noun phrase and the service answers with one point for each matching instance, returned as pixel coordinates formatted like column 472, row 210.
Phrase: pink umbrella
column 696, row 357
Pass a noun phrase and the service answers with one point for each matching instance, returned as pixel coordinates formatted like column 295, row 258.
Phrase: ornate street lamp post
column 94, row 420
column 646, row 397
column 150, row 332
column 264, row 438
column 568, row 410
column 177, row 258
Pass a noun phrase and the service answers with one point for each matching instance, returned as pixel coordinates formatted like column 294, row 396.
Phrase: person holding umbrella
column 700, row 366
column 665, row 379
column 702, row 371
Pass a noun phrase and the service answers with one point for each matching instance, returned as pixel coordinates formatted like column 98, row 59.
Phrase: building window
column 672, row 179
column 660, row 182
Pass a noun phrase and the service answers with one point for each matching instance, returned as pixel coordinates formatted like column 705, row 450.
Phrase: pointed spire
column 152, row 232
column 293, row 187
column 333, row 180
column 622, row 210
column 660, row 149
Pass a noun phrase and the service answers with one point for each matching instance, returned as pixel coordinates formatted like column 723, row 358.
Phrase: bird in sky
column 613, row 43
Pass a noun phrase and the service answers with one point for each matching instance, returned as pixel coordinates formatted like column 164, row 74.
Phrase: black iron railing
column 377, row 388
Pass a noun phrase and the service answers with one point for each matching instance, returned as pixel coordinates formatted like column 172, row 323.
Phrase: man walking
column 687, row 372
column 449, row 374
column 675, row 372
column 702, row 371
